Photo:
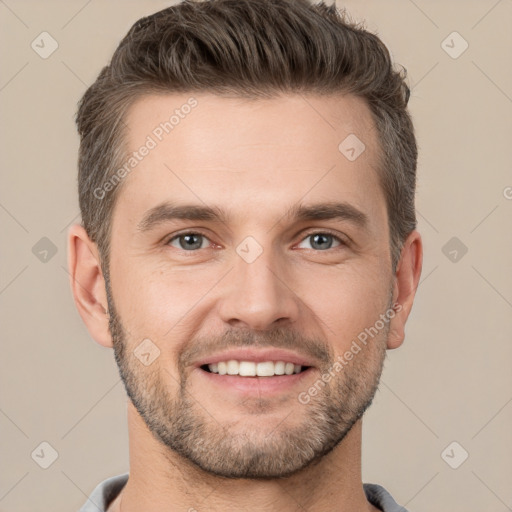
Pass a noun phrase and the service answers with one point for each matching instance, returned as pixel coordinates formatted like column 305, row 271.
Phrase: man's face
column 258, row 286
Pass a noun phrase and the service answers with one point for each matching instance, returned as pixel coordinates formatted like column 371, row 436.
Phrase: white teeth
column 232, row 367
column 251, row 369
column 221, row 367
column 279, row 368
column 265, row 369
column 247, row 369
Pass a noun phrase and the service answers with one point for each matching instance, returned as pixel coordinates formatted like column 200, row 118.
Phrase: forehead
column 247, row 154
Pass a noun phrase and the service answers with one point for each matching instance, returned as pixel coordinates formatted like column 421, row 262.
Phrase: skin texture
column 192, row 439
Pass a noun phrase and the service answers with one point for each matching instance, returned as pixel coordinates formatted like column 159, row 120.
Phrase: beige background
column 451, row 380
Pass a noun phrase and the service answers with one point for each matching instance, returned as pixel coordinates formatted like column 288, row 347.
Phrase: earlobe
column 88, row 284
column 407, row 278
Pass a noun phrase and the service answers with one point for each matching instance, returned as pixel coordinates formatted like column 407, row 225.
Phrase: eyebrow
column 168, row 211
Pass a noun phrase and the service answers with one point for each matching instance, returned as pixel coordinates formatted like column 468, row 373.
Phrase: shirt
column 105, row 493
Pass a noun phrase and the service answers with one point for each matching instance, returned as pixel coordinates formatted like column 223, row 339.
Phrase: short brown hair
column 253, row 49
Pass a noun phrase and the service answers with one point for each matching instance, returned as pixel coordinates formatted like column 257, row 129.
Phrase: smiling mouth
column 254, row 369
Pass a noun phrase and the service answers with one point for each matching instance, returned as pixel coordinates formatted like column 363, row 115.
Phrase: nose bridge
column 258, row 294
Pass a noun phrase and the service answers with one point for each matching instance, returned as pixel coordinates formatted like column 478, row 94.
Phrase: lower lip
column 256, row 385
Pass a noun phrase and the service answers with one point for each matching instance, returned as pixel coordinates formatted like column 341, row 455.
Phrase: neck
column 162, row 480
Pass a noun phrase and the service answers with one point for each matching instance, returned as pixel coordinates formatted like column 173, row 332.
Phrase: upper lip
column 256, row 356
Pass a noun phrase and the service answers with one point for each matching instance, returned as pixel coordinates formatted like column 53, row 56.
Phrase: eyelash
column 343, row 243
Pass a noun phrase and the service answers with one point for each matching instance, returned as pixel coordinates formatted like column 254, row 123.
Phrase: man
column 249, row 251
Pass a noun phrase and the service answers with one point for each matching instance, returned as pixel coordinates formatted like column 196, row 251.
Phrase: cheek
column 347, row 303
column 158, row 303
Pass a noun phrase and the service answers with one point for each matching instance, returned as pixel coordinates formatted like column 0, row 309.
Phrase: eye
column 188, row 241
column 322, row 241
column 192, row 241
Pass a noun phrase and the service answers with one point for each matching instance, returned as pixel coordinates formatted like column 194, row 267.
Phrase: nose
column 259, row 295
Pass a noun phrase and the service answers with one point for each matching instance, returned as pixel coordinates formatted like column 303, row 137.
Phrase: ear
column 88, row 284
column 406, row 279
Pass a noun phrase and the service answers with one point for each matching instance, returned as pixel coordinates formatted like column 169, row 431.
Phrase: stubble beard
column 182, row 422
